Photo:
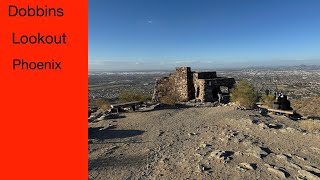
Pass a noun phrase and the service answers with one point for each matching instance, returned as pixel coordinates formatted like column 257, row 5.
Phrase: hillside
column 202, row 143
column 308, row 106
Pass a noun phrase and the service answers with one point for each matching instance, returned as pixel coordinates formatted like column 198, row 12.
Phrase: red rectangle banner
column 44, row 79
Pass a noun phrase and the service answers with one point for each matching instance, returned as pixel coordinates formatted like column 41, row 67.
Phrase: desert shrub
column 244, row 94
column 100, row 102
column 310, row 125
column 307, row 106
column 127, row 96
column 268, row 100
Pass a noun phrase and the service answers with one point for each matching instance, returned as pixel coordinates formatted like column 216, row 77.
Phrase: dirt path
column 201, row 143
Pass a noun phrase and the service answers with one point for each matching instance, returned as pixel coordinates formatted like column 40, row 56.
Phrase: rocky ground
column 202, row 143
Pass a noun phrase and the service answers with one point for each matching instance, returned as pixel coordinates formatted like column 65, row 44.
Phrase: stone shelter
column 184, row 85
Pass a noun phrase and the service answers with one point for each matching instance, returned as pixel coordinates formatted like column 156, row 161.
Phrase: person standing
column 219, row 96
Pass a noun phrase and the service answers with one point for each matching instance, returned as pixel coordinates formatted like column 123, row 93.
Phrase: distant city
column 296, row 81
column 111, row 66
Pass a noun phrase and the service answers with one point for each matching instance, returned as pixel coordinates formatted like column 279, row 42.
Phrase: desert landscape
column 204, row 90
column 203, row 140
column 203, row 143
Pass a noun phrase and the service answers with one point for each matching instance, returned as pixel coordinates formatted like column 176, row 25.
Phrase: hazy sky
column 162, row 34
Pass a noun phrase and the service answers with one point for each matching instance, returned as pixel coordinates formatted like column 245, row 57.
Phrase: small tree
column 268, row 100
column 244, row 94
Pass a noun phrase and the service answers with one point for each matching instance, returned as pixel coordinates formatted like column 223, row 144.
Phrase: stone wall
column 199, row 86
column 206, row 90
column 177, row 85
column 162, row 88
column 184, row 85
column 183, row 81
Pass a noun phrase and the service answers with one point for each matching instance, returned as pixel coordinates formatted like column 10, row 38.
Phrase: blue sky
column 162, row 34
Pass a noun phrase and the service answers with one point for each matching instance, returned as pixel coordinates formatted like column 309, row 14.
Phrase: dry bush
column 101, row 103
column 268, row 100
column 310, row 125
column 243, row 94
column 105, row 107
column 307, row 106
column 127, row 96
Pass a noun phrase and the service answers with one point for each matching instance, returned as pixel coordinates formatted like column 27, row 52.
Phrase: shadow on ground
column 115, row 116
column 275, row 126
column 314, row 117
column 118, row 161
column 101, row 133
column 264, row 112
column 167, row 106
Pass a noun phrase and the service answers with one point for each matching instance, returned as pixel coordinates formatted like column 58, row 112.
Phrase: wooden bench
column 286, row 112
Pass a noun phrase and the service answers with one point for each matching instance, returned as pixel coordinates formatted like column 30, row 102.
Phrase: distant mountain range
column 299, row 67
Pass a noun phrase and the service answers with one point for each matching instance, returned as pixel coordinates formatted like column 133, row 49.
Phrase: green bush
column 244, row 94
column 127, row 96
column 268, row 100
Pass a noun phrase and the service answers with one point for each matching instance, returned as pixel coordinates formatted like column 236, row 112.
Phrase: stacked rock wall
column 184, row 85
column 183, row 80
column 177, row 85
column 162, row 88
column 199, row 86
